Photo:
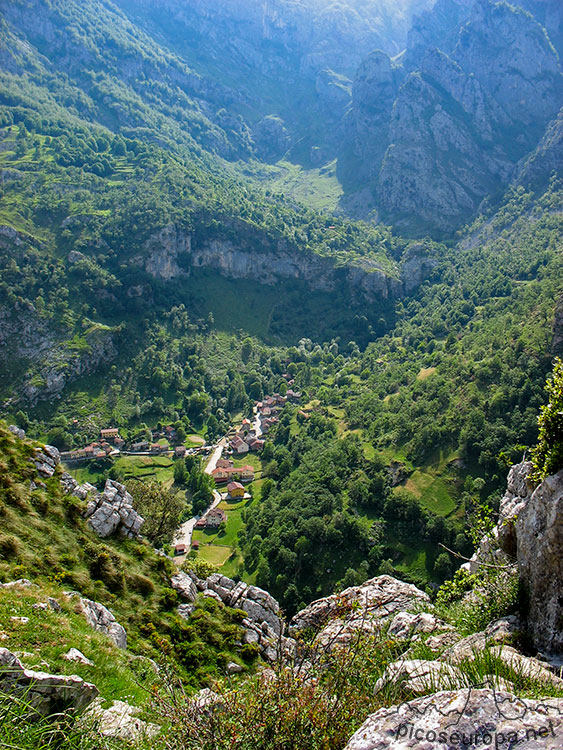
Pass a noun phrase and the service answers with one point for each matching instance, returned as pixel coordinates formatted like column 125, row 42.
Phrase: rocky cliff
column 172, row 252
column 530, row 530
column 450, row 125
column 41, row 356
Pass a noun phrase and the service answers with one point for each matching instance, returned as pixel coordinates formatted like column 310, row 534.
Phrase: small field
column 159, row 468
column 434, row 493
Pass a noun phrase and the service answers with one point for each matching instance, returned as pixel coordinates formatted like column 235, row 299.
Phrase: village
column 235, row 479
column 111, row 445
column 229, row 461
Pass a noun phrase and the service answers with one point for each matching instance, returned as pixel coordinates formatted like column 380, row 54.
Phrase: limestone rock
column 262, row 624
column 185, row 610
column 376, row 599
column 233, row 668
column 418, row 676
column 72, row 487
column 45, row 693
column 442, row 641
column 441, row 721
column 406, row 624
column 432, row 148
column 73, row 654
column 19, row 433
column 271, row 137
column 539, row 538
column 205, row 699
column 46, row 460
column 259, row 605
column 101, row 619
column 20, row 583
column 183, row 584
column 499, row 632
column 112, row 511
column 120, row 721
column 341, row 632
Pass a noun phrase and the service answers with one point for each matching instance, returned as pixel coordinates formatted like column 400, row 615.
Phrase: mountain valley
column 206, row 208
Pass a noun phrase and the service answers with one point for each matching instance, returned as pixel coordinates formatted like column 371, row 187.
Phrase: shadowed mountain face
column 436, row 133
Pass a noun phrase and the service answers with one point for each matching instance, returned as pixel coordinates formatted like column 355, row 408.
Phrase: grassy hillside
column 44, row 538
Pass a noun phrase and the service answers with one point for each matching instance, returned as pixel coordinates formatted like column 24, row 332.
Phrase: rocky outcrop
column 448, row 719
column 547, row 159
column 417, row 677
column 271, row 138
column 48, row 360
column 112, row 512
column 102, row 620
column 73, row 654
column 120, row 721
column 405, row 625
column 262, row 626
column 530, row 529
column 183, row 584
column 20, row 583
column 17, row 431
column 46, row 460
column 174, row 252
column 44, row 693
column 366, row 608
column 539, row 541
column 375, row 87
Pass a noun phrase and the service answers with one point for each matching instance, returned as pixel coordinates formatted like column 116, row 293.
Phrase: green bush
column 547, row 456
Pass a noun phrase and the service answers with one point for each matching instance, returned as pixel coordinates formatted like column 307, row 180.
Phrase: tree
column 547, row 456
column 263, row 573
column 161, row 509
column 180, row 472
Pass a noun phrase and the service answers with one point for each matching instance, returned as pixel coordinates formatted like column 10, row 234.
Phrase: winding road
column 184, row 533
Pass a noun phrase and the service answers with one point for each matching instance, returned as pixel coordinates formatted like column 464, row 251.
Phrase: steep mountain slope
column 433, row 143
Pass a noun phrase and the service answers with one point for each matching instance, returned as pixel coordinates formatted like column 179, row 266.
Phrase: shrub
column 9, row 547
column 547, row 456
column 140, row 583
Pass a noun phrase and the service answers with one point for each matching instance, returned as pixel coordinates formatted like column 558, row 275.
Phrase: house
column 257, row 445
column 180, row 549
column 109, row 434
column 201, row 523
column 293, row 395
column 119, row 442
column 238, row 445
column 221, row 474
column 156, row 448
column 139, row 447
column 215, row 518
column 246, row 473
column 180, row 451
column 235, row 490
column 224, row 463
